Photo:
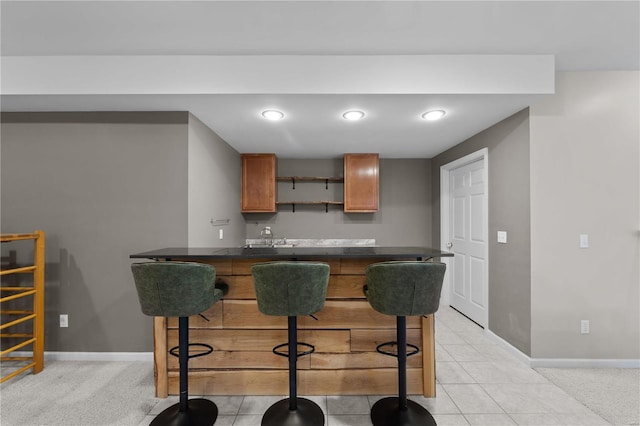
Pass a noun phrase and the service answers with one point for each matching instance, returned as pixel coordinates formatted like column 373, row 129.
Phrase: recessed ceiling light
column 272, row 114
column 434, row 115
column 353, row 115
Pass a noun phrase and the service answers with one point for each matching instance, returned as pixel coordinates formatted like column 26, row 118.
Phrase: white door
column 467, row 240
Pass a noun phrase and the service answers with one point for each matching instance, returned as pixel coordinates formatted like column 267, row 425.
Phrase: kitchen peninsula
column 345, row 332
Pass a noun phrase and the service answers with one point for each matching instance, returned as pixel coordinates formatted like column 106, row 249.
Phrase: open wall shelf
column 310, row 203
column 325, row 179
column 294, row 179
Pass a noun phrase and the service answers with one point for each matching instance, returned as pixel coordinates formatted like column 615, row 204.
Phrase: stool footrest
column 207, row 349
column 409, row 345
column 299, row 354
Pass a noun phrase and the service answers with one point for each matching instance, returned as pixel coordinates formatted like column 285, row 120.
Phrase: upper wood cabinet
column 361, row 183
column 258, row 183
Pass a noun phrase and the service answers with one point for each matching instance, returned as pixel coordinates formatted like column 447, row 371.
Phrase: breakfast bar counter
column 345, row 332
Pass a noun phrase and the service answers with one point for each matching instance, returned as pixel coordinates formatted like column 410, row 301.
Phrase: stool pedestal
column 199, row 412
column 293, row 411
column 306, row 413
column 399, row 411
column 387, row 412
column 188, row 412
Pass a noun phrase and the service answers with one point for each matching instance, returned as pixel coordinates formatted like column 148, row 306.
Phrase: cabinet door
column 258, row 183
column 360, row 183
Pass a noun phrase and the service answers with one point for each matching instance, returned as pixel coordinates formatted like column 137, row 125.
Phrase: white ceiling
column 582, row 36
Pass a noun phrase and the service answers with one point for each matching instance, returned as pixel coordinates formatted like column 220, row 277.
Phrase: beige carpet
column 612, row 393
column 79, row 393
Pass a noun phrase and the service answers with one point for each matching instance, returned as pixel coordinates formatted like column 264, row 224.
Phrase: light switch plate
column 585, row 327
column 502, row 237
column 584, row 240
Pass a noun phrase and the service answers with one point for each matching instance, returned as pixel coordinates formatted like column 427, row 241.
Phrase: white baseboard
column 584, row 363
column 508, row 346
column 93, row 356
column 561, row 362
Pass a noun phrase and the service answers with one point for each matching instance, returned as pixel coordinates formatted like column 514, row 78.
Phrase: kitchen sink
column 265, row 246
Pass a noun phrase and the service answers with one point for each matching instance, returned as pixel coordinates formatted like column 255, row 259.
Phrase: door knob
column 449, row 244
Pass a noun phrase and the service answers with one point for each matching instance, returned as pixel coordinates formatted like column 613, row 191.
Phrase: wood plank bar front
column 160, row 350
column 428, row 356
column 345, row 333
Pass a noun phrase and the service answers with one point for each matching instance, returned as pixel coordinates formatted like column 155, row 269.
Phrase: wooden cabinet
column 258, row 183
column 259, row 188
column 361, row 182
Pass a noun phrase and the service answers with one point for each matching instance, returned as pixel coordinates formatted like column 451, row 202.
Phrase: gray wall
column 585, row 179
column 214, row 189
column 404, row 217
column 509, row 210
column 102, row 186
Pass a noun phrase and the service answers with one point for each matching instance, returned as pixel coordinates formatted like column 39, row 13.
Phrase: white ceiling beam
column 280, row 74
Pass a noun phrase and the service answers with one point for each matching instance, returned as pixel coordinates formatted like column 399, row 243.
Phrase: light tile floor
column 478, row 383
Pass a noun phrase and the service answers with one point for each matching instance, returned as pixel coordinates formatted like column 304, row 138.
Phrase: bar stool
column 402, row 289
column 180, row 289
column 290, row 289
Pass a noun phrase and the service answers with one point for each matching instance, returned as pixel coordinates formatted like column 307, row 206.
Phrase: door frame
column 445, row 172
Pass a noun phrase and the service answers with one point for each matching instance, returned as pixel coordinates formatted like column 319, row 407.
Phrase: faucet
column 267, row 236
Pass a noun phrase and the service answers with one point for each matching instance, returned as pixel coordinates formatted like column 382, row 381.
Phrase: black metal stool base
column 201, row 412
column 387, row 412
column 308, row 413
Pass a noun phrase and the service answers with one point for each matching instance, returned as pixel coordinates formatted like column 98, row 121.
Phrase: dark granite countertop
column 291, row 252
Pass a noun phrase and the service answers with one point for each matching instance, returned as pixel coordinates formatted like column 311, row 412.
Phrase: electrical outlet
column 221, row 234
column 64, row 320
column 584, row 327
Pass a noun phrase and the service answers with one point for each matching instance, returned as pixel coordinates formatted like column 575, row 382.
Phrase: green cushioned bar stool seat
column 291, row 289
column 180, row 289
column 403, row 289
